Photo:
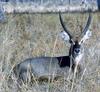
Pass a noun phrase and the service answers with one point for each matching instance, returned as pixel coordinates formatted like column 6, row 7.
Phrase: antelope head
column 76, row 49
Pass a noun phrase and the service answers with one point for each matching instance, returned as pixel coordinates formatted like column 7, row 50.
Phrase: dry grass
column 31, row 35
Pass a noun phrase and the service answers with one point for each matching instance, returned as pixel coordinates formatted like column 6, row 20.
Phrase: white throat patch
column 78, row 58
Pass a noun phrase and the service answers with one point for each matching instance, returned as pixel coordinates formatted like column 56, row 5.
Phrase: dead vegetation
column 31, row 35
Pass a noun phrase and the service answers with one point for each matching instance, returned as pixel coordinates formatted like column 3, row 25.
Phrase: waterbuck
column 55, row 66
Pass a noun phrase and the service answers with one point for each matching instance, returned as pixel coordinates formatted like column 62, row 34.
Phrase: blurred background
column 49, row 5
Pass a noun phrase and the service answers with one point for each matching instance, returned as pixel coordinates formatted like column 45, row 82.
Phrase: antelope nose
column 77, row 50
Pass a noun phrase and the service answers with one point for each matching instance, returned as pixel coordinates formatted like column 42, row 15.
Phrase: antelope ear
column 86, row 36
column 64, row 36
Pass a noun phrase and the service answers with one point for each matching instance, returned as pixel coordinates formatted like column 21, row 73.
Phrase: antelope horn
column 87, row 25
column 65, row 29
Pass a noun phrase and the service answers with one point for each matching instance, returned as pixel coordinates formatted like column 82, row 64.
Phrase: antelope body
column 54, row 66
column 42, row 67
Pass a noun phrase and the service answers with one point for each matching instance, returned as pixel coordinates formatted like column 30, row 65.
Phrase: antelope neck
column 64, row 61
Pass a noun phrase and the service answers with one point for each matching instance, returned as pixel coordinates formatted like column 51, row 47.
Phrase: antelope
column 55, row 66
